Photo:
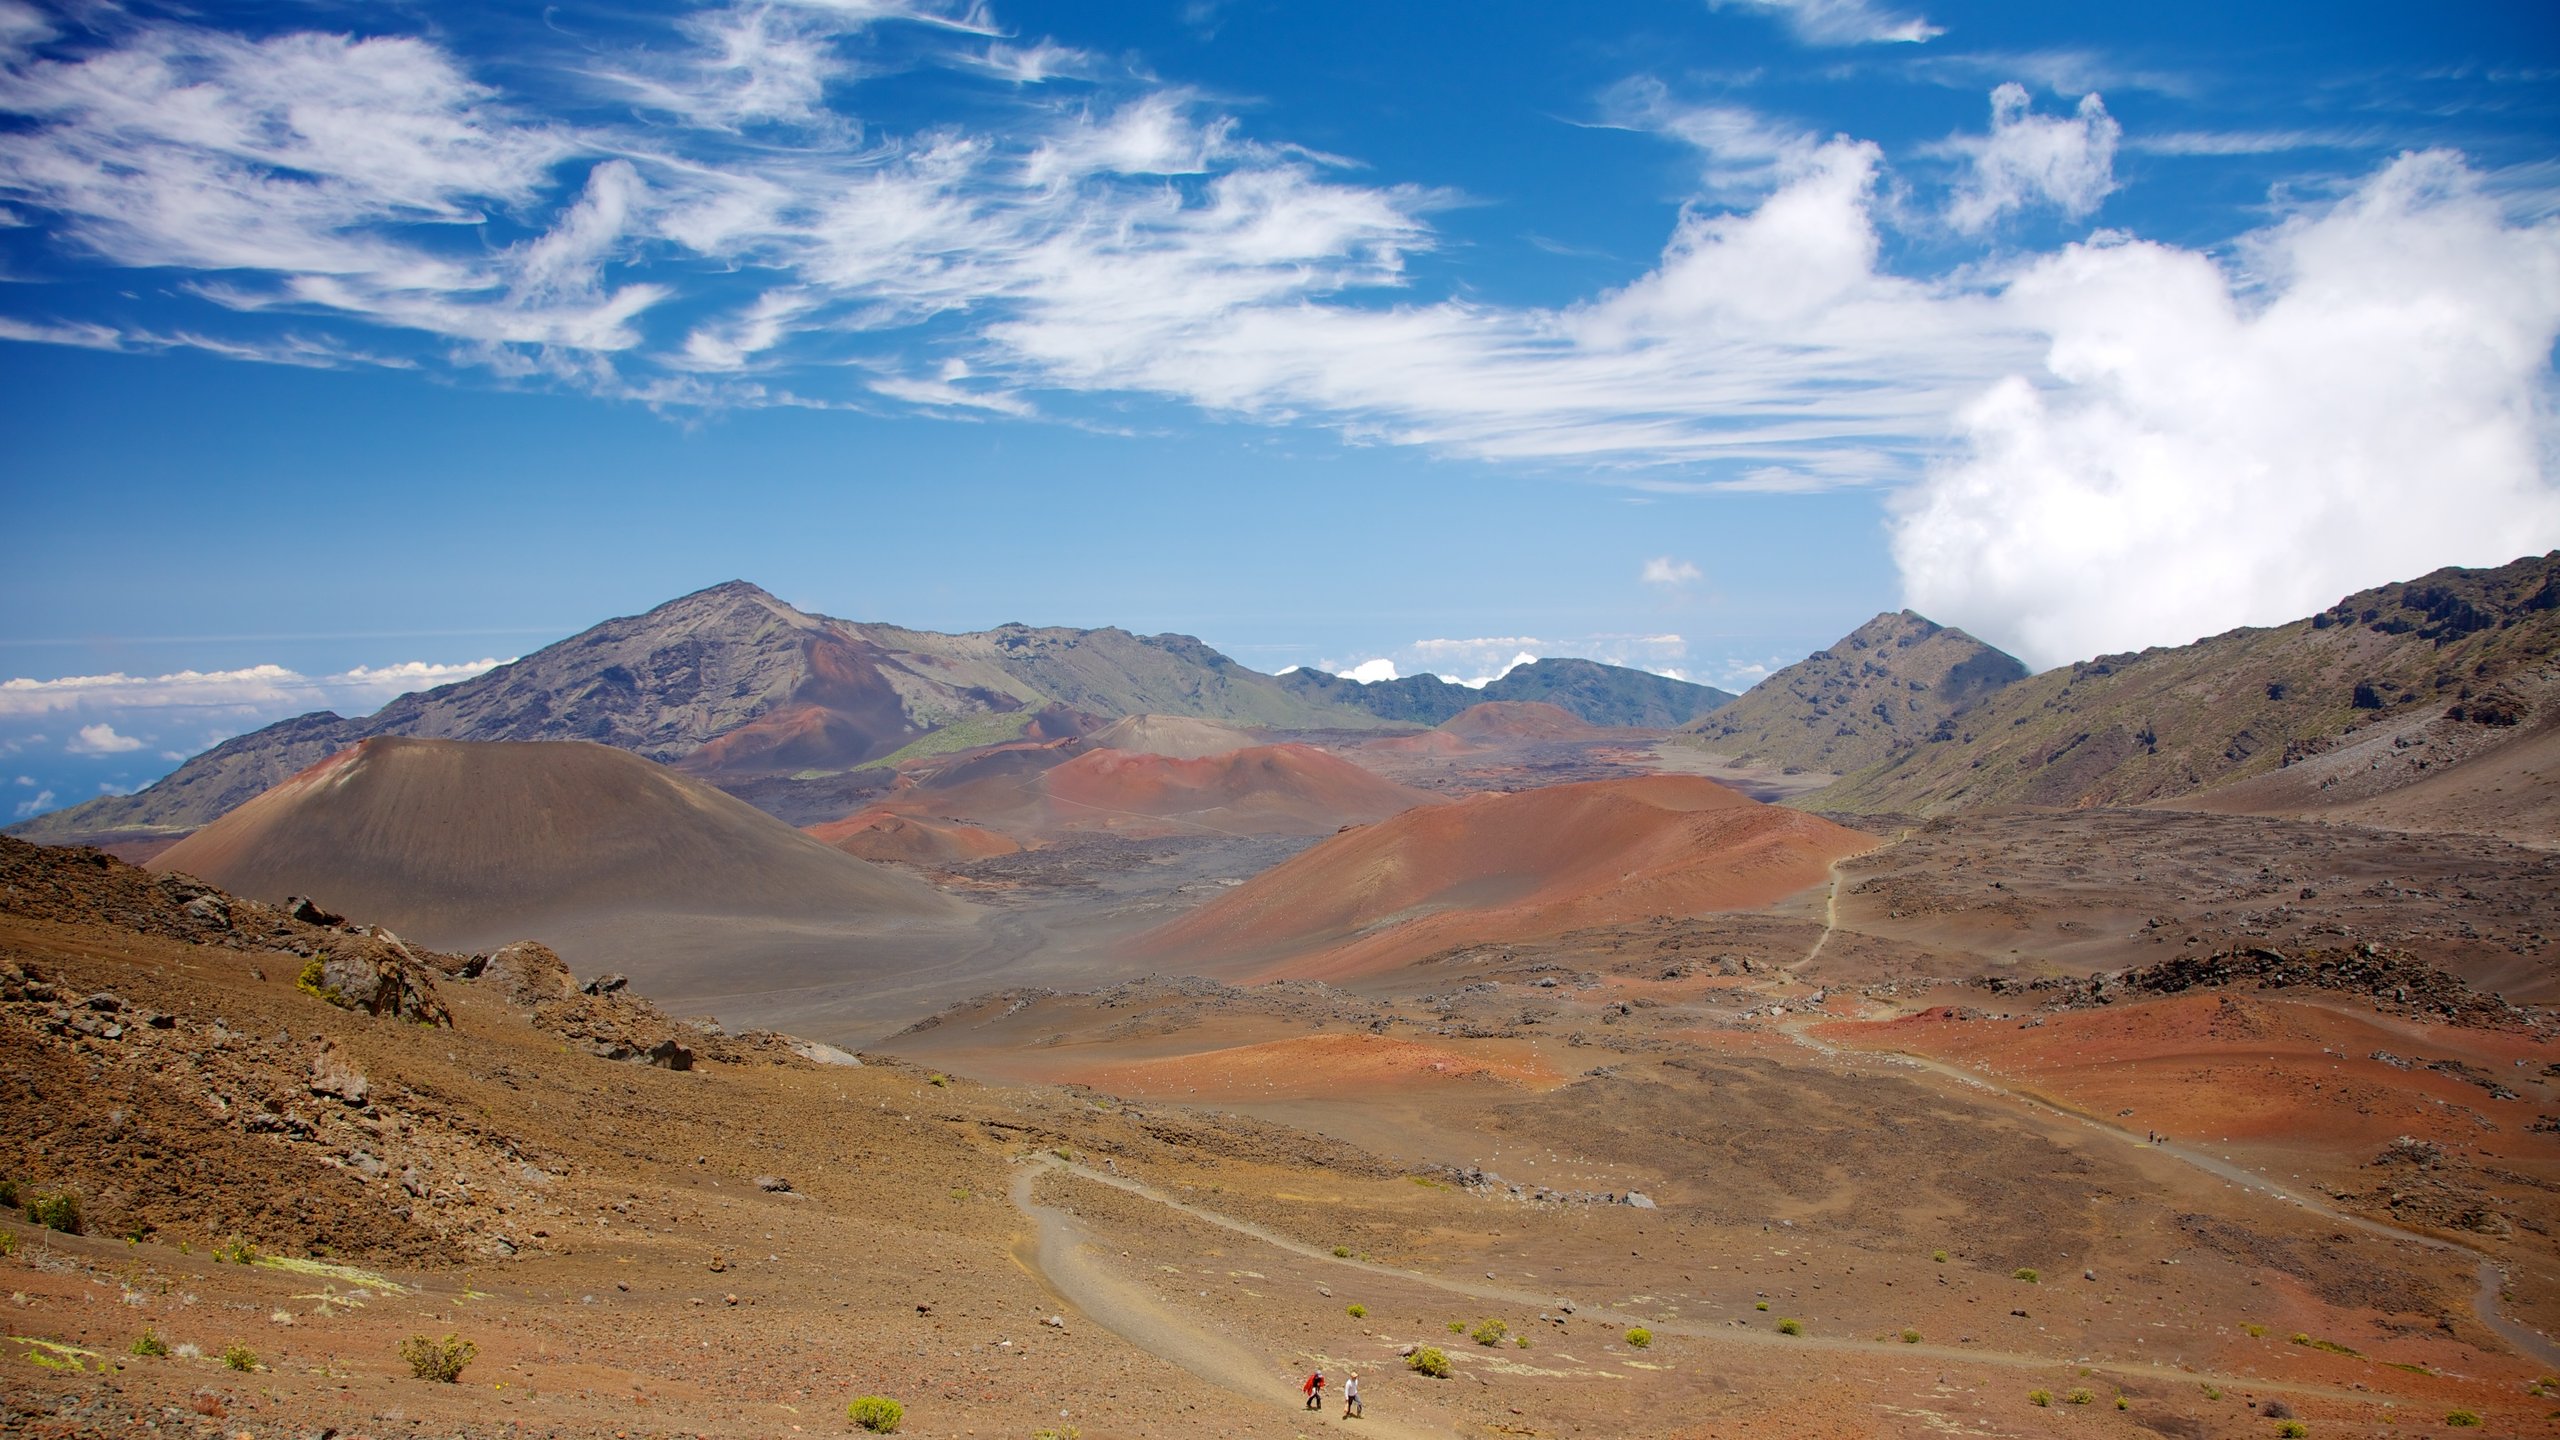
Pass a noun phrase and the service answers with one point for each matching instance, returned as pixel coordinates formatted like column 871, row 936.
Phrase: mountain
column 734, row 686
column 1032, row 794
column 602, row 854
column 1499, row 720
column 1499, row 867
column 1884, row 688
column 2475, row 649
column 1599, row 694
column 1179, row 736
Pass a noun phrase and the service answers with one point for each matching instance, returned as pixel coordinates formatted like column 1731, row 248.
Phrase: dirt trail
column 2524, row 1338
column 1138, row 1318
column 1061, row 1251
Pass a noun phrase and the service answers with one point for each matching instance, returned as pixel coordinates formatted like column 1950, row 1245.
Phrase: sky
column 351, row 348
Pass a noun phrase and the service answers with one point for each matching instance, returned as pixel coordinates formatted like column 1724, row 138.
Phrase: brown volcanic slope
column 883, row 835
column 1519, row 720
column 464, row 846
column 2136, row 728
column 1503, row 867
column 2431, row 773
column 1259, row 790
column 1885, row 687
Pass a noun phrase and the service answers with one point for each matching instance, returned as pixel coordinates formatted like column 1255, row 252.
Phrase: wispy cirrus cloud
column 1842, row 22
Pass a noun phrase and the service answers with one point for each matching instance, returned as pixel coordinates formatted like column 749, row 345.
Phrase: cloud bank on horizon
column 2096, row 443
column 111, row 734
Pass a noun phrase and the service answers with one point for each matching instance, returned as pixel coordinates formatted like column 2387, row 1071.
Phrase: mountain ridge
column 786, row 708
column 2472, row 646
column 1608, row 695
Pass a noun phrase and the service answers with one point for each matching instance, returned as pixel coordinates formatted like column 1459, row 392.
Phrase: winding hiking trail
column 1062, row 1252
column 1059, row 1252
column 2527, row 1340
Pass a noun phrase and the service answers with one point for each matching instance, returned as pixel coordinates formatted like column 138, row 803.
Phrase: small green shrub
column 313, row 981
column 876, row 1413
column 1457, row 1327
column 440, row 1360
column 2025, row 1273
column 1062, row 1432
column 2254, row 1332
column 2039, row 1397
column 149, row 1343
column 1356, row 1311
column 1489, row 1332
column 2212, row 1393
column 1520, row 1342
column 1938, row 1255
column 938, row 1080
column 1429, row 1360
column 1790, row 1327
column 2123, row 1404
column 2081, row 1396
column 1910, row 1337
column 2293, row 1430
column 235, row 1251
column 2461, row 1419
column 57, row 1211
column 1341, row 1252
column 8, row 1243
column 240, row 1358
column 1639, row 1337
column 8, row 1192
column 1760, row 1305
column 2332, row 1346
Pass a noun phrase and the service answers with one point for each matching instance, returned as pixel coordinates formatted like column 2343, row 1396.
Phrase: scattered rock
column 334, row 1075
column 772, row 1184
column 299, row 907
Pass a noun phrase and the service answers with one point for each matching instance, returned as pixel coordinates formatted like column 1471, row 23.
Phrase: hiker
column 1351, row 1397
column 1315, row 1390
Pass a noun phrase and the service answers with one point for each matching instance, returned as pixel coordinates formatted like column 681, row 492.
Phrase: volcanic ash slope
column 464, row 845
column 1505, row 867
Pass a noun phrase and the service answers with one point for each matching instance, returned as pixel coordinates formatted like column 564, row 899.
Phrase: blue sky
column 347, row 347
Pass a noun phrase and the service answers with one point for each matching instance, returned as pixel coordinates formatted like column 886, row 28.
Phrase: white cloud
column 252, row 688
column 1671, row 574
column 1842, row 22
column 101, row 739
column 2364, row 396
column 1478, row 682
column 42, row 801
column 1369, row 672
column 2029, row 159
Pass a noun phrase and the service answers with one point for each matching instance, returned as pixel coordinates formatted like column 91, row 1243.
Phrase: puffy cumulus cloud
column 2030, row 159
column 1370, row 671
column 1841, row 22
column 1670, row 574
column 2365, row 396
column 101, row 739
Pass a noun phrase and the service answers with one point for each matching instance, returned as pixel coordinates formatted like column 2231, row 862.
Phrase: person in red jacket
column 1315, row 1390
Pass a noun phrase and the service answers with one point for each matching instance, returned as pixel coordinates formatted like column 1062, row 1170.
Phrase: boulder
column 381, row 985
column 334, row 1075
column 529, row 973
column 299, row 907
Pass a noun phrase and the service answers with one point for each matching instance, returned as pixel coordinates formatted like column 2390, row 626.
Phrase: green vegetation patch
column 965, row 734
column 876, row 1413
